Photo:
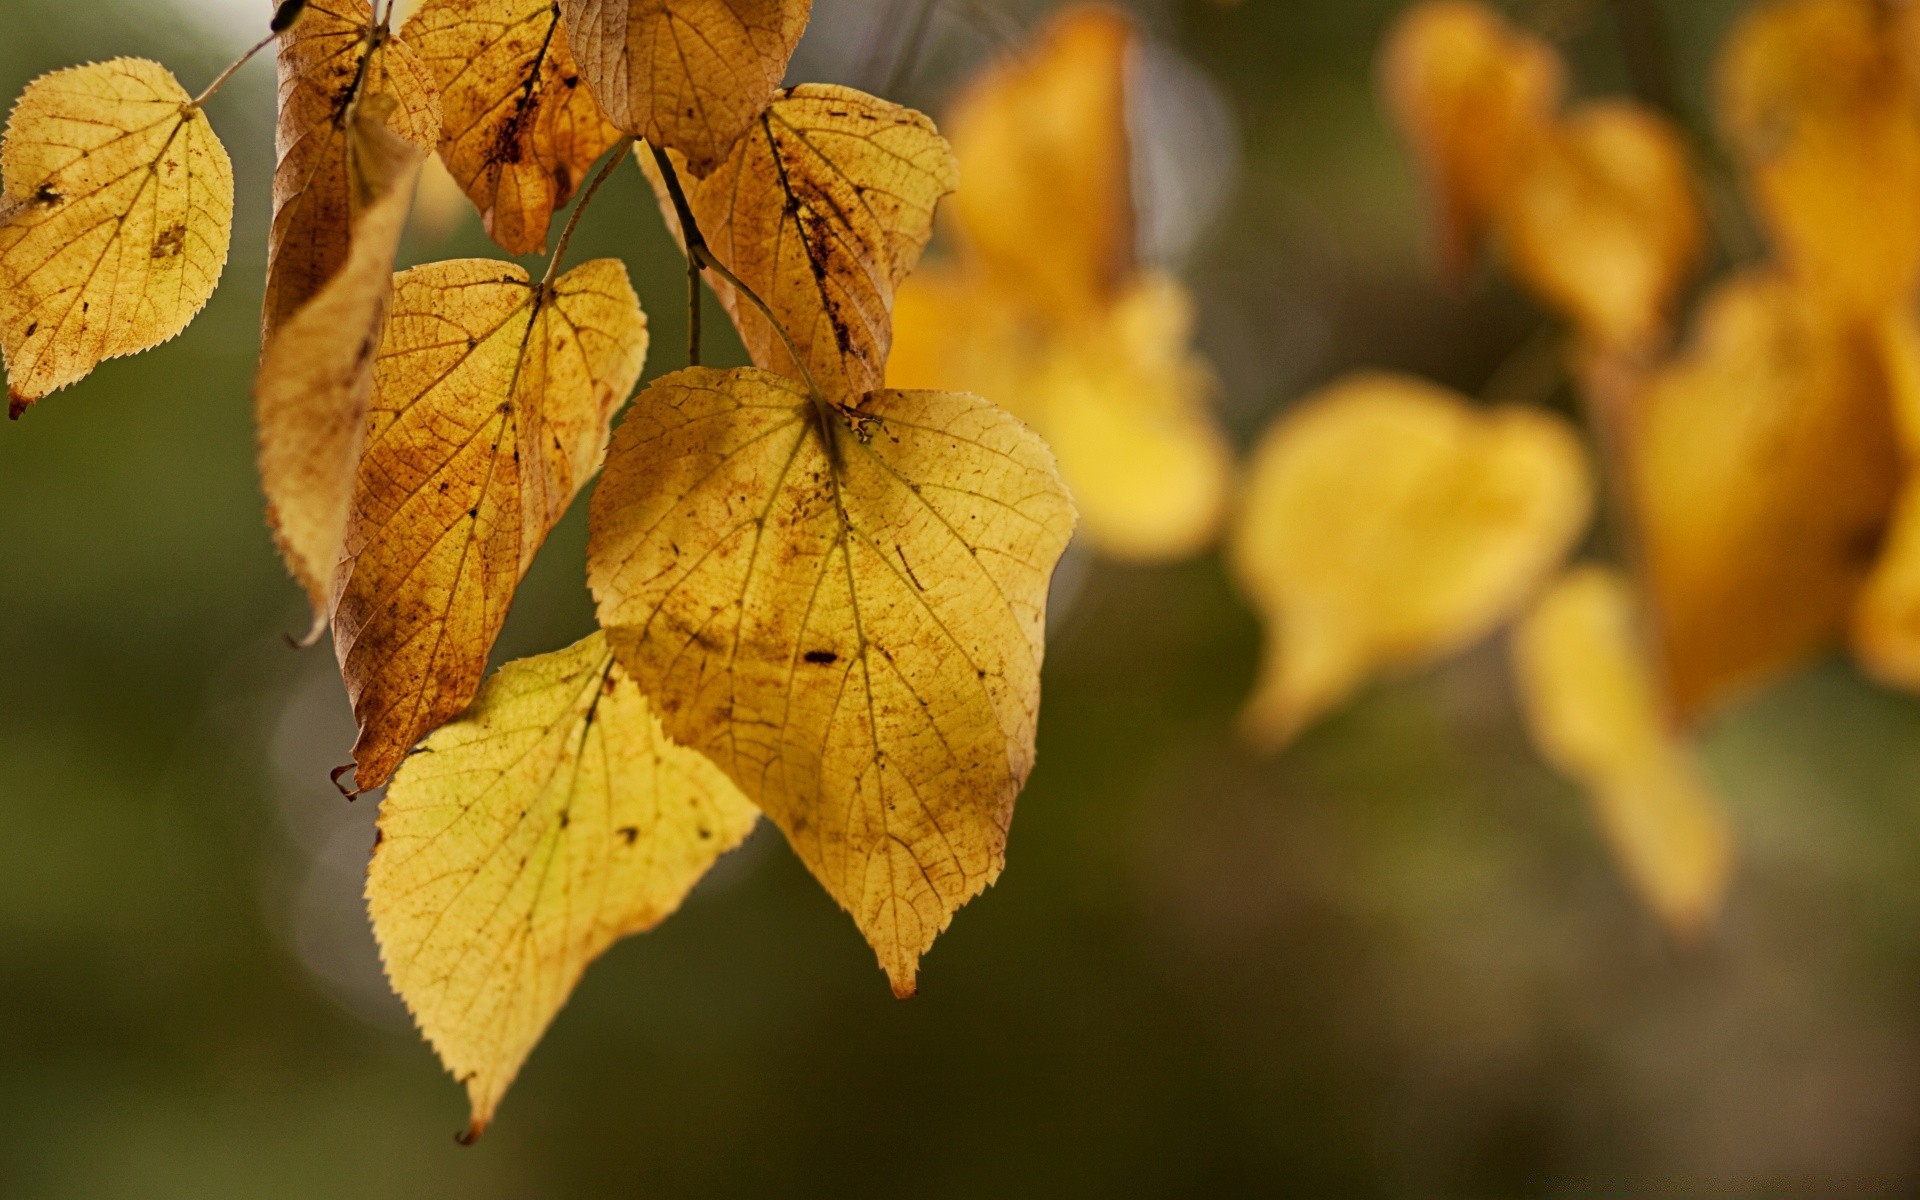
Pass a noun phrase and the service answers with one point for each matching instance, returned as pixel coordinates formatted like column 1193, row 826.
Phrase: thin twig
column 221, row 81
column 693, row 311
column 620, row 150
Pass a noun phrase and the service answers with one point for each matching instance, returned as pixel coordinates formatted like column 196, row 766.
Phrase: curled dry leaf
column 1596, row 714
column 491, row 405
column 1765, row 468
column 1471, row 95
column 118, row 210
column 823, row 209
column 522, row 841
column 517, row 128
column 332, row 61
column 686, row 75
column 847, row 613
column 1387, row 523
column 310, row 403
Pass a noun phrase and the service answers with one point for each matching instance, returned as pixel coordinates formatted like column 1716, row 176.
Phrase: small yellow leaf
column 1595, row 713
column 310, row 403
column 1820, row 102
column 118, row 211
column 1604, row 222
column 517, row 129
column 1765, row 466
column 687, row 75
column 491, row 404
column 1387, row 523
column 522, row 841
column 823, row 209
column 1471, row 95
column 333, row 60
column 847, row 613
column 1048, row 204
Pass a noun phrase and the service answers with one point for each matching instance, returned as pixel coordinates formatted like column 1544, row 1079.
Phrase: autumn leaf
column 522, row 841
column 1596, row 714
column 118, row 212
column 517, row 128
column 847, row 614
column 1886, row 618
column 1388, row 524
column 823, row 209
column 333, row 60
column 491, row 405
column 1765, row 466
column 310, row 403
column 686, row 75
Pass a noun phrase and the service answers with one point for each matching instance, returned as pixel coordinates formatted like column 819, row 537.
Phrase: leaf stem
column 221, row 81
column 693, row 311
column 620, row 150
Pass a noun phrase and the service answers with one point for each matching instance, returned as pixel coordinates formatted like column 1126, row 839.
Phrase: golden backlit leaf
column 823, row 209
column 848, row 615
column 1605, row 224
column 1388, row 523
column 331, row 62
column 1886, row 618
column 118, row 211
column 1048, row 204
column 517, row 128
column 1765, row 466
column 491, row 404
column 1820, row 102
column 310, row 403
column 687, row 75
column 1596, row 715
column 1471, row 95
column 522, row 841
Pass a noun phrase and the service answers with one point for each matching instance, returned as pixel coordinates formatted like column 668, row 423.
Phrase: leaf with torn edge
column 522, row 841
column 119, row 210
column 517, row 128
column 686, row 75
column 823, row 209
column 1386, row 524
column 492, row 399
column 310, row 403
column 1596, row 715
column 847, row 613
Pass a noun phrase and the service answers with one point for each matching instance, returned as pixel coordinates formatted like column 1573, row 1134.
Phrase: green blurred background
column 1394, row 962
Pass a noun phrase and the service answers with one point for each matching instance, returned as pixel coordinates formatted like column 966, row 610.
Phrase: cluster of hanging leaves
column 822, row 599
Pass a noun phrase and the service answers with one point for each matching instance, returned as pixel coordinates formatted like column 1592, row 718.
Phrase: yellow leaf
column 1886, row 619
column 847, row 614
column 1471, row 95
column 1821, row 104
column 823, row 209
column 1604, row 222
column 491, row 404
column 310, row 403
column 1765, row 468
column 1048, row 204
column 687, row 75
column 1595, row 713
column 1387, row 524
column 117, row 214
column 517, row 129
column 522, row 841
column 332, row 61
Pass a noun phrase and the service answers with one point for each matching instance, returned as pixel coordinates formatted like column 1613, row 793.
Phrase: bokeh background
column 1395, row 961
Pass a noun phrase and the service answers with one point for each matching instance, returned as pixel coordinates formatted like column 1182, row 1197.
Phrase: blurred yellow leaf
column 332, row 61
column 517, row 129
column 1886, row 620
column 1596, row 715
column 491, row 405
column 687, row 75
column 114, row 229
column 522, row 841
column 847, row 613
column 310, row 403
column 1388, row 523
column 1765, row 466
column 440, row 204
column 823, row 209
column 1472, row 96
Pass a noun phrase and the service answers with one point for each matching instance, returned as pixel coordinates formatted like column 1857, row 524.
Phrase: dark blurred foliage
column 1395, row 961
